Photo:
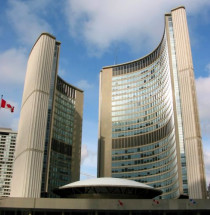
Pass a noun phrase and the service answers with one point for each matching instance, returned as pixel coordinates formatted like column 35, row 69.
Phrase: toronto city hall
column 150, row 156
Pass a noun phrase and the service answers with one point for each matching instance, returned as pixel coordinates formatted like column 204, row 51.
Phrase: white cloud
column 88, row 157
column 101, row 23
column 88, row 162
column 13, row 66
column 84, row 153
column 84, row 85
column 207, row 165
column 61, row 72
column 208, row 68
column 26, row 19
column 203, row 95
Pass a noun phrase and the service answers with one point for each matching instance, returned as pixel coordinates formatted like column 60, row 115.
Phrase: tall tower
column 7, row 150
column 148, row 117
column 49, row 135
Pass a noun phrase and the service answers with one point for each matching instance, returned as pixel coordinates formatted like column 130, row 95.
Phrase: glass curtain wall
column 143, row 130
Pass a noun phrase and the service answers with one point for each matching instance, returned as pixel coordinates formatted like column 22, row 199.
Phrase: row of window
column 143, row 128
column 153, row 115
column 144, row 117
column 170, row 161
column 138, row 80
column 151, row 172
column 142, row 140
column 157, row 103
column 160, row 96
column 139, row 85
column 65, row 88
column 63, row 120
column 148, row 178
column 60, row 169
column 158, row 114
column 164, row 157
column 65, row 101
column 152, row 151
column 164, row 183
column 148, row 147
column 140, row 64
column 156, row 100
column 137, row 91
column 144, row 99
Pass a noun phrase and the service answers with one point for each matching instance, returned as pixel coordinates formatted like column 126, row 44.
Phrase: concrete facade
column 189, row 107
column 50, row 125
column 103, row 206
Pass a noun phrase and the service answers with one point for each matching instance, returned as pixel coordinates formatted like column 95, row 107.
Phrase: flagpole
column 1, row 100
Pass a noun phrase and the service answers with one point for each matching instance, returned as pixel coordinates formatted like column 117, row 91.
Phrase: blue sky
column 95, row 34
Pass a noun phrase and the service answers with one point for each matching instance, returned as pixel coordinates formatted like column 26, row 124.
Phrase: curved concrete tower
column 44, row 134
column 148, row 118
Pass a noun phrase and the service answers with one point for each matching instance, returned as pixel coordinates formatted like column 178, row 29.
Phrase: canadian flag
column 156, row 202
column 120, row 203
column 4, row 104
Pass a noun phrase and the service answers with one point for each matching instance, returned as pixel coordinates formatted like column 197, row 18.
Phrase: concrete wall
column 135, row 205
column 26, row 181
column 191, row 124
column 105, row 124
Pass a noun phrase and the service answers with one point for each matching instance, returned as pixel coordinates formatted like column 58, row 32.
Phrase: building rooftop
column 118, row 182
column 107, row 188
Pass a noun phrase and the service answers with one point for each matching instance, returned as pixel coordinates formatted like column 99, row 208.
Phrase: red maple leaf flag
column 121, row 203
column 4, row 104
column 156, row 202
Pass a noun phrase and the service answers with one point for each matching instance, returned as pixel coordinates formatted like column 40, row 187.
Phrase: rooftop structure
column 111, row 188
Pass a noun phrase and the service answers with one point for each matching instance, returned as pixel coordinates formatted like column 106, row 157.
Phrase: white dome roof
column 107, row 188
column 108, row 182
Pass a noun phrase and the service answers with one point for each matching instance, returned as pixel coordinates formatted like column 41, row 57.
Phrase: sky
column 94, row 34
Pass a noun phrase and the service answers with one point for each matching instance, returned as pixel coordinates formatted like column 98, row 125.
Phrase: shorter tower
column 7, row 150
column 48, row 147
column 63, row 138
